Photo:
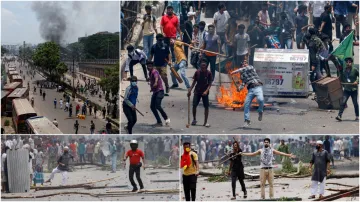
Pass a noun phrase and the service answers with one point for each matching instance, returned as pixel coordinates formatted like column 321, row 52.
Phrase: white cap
column 319, row 142
column 191, row 14
column 66, row 148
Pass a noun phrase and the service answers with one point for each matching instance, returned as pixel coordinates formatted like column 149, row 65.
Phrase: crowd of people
column 271, row 25
column 322, row 151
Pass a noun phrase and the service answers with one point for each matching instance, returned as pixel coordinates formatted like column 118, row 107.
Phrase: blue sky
column 19, row 22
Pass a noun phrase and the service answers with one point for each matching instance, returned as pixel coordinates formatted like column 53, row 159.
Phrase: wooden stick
column 206, row 51
column 345, row 185
column 60, row 187
column 105, row 187
column 219, row 67
column 135, row 108
column 46, row 195
column 164, row 181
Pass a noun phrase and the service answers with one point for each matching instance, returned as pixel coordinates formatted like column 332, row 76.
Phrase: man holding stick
column 129, row 104
column 157, row 96
column 63, row 166
column 202, row 79
column 266, row 173
column 180, row 63
column 212, row 44
column 254, row 85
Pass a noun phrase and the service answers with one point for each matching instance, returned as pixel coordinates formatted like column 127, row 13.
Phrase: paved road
column 46, row 108
column 285, row 116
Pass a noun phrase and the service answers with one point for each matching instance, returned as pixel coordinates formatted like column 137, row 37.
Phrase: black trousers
column 189, row 182
column 155, row 106
column 353, row 95
column 340, row 19
column 131, row 117
column 234, row 177
column 134, row 62
column 136, row 170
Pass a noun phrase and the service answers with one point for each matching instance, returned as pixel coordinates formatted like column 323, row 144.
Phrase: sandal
column 207, row 125
column 193, row 123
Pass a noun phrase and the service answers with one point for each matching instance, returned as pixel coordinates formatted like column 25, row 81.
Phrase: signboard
column 284, row 72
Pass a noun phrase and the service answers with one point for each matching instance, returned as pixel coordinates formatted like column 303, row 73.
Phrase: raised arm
column 283, row 154
column 258, row 152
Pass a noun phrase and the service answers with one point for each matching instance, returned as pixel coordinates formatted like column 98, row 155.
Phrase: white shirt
column 318, row 8
column 203, row 146
column 31, row 142
column 136, row 55
column 247, row 148
column 221, row 21
column 336, row 145
column 61, row 102
column 242, row 43
column 9, row 143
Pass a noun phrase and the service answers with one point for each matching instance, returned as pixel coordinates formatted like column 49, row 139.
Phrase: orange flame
column 229, row 96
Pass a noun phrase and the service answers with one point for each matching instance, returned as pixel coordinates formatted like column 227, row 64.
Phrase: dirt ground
column 215, row 191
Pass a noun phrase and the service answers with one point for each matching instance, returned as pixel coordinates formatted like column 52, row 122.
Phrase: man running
column 135, row 56
column 63, row 166
column 135, row 155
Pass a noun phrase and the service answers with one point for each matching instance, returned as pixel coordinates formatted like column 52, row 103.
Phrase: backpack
column 137, row 53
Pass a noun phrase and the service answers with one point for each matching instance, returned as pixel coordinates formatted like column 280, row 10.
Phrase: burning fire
column 229, row 96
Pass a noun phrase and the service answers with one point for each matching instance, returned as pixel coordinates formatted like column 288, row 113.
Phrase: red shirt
column 169, row 25
column 135, row 156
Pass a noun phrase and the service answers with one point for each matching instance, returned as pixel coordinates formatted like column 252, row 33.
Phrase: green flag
column 345, row 48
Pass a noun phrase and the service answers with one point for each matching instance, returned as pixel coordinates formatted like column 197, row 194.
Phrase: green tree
column 47, row 57
column 110, row 83
column 75, row 51
column 101, row 46
column 61, row 69
column 4, row 50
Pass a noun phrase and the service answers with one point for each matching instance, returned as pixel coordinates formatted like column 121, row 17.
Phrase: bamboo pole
column 46, row 195
column 206, row 51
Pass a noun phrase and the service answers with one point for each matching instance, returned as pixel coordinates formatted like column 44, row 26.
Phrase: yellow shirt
column 191, row 170
column 179, row 52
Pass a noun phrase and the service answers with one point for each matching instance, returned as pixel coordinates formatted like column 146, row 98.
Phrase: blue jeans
column 148, row 41
column 222, row 39
column 197, row 19
column 182, row 66
column 299, row 38
column 252, row 93
column 288, row 43
column 315, row 75
column 113, row 162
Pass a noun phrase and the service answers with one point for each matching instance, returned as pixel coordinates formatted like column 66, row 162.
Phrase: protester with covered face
column 326, row 24
column 349, row 76
column 129, row 104
column 63, row 166
column 134, row 156
column 211, row 43
column 203, row 80
column 287, row 32
column 241, row 42
column 190, row 165
column 266, row 156
column 161, row 54
column 252, row 81
column 170, row 27
column 157, row 89
column 321, row 161
column 236, row 169
column 135, row 56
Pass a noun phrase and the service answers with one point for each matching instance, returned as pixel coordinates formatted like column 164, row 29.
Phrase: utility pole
column 108, row 50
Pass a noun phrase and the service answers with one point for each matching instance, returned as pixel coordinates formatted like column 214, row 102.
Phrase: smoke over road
column 53, row 21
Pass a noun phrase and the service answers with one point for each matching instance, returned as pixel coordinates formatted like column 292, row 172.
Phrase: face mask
column 133, row 147
column 201, row 28
column 65, row 152
column 317, row 147
column 169, row 13
column 159, row 41
column 187, row 149
column 133, row 83
column 266, row 146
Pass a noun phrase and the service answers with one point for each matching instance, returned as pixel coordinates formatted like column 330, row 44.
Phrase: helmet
column 133, row 142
